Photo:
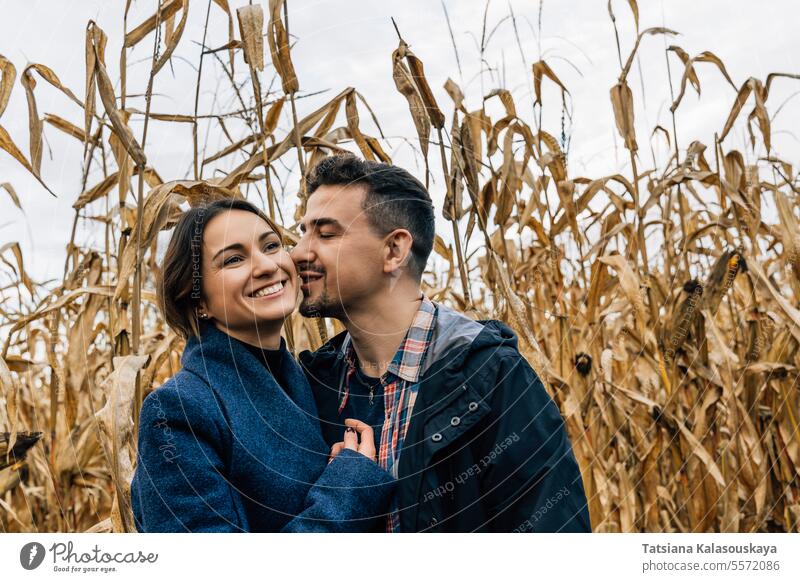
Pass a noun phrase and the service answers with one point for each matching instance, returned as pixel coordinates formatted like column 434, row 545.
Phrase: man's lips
column 307, row 278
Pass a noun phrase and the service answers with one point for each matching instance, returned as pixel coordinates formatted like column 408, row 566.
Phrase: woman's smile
column 270, row 291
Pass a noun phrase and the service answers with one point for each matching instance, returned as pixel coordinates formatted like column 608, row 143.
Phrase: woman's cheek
column 232, row 286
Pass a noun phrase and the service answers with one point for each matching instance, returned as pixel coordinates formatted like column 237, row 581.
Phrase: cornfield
column 660, row 306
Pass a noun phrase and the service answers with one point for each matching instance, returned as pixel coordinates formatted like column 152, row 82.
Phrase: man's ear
column 397, row 250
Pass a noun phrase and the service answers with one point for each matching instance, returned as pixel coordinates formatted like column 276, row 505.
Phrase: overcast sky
column 349, row 43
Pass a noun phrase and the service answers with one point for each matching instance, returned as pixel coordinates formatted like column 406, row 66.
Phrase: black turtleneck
column 272, row 360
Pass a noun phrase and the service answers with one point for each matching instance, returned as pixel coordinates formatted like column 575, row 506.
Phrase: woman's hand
column 359, row 437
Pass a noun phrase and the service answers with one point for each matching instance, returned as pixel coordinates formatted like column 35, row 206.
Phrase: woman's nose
column 264, row 264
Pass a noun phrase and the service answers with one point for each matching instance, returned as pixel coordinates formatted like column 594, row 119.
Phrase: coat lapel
column 225, row 364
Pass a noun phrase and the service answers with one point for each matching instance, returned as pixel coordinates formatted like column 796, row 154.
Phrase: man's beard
column 322, row 306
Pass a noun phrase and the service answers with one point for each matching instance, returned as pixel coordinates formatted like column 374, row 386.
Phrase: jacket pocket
column 445, row 426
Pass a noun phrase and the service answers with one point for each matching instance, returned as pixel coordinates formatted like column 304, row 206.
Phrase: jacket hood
column 454, row 337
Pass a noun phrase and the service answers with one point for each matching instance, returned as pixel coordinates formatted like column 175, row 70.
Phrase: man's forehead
column 334, row 201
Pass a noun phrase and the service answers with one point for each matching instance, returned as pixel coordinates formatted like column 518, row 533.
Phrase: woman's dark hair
column 180, row 285
column 395, row 199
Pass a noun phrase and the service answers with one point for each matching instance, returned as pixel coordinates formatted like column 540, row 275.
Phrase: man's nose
column 301, row 253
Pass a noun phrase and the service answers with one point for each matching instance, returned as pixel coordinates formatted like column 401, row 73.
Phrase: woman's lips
column 270, row 295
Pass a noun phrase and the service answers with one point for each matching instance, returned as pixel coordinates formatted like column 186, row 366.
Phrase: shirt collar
column 408, row 360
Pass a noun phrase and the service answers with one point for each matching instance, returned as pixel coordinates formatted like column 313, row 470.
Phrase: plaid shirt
column 400, row 384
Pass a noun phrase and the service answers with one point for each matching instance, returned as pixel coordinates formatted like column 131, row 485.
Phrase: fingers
column 335, row 450
column 366, row 436
column 367, row 447
column 356, row 424
column 350, row 438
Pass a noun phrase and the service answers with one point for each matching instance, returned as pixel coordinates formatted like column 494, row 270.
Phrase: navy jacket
column 222, row 448
column 486, row 449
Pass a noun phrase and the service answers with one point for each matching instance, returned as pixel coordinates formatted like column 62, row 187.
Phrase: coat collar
column 221, row 360
column 454, row 336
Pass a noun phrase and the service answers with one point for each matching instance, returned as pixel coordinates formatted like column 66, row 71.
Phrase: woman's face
column 249, row 282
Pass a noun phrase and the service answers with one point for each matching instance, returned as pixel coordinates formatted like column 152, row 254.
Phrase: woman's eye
column 230, row 261
column 272, row 246
column 326, row 235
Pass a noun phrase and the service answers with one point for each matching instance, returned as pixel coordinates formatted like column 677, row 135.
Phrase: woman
column 232, row 442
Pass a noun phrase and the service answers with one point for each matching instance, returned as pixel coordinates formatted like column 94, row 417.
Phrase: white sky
column 349, row 43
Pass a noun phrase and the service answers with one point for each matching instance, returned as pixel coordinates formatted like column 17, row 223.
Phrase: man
column 463, row 421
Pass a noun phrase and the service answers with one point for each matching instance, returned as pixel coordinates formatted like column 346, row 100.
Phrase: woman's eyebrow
column 239, row 246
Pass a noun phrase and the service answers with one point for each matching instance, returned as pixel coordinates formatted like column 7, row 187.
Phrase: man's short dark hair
column 394, row 199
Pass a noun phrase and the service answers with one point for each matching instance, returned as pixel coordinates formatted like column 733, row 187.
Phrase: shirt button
column 436, row 437
column 473, row 406
column 455, row 421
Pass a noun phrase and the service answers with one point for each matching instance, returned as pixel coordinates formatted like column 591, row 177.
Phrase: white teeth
column 272, row 289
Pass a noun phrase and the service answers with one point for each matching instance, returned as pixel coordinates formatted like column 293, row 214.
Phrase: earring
column 202, row 315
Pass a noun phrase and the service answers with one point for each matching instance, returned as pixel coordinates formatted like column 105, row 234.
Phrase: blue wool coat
column 223, row 448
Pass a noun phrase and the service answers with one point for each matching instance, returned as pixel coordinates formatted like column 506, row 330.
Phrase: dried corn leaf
column 173, row 38
column 352, row 125
column 34, row 123
column 116, row 424
column 456, row 94
column 542, row 69
column 106, row 88
column 8, row 74
column 9, row 417
column 634, row 9
column 48, row 75
column 787, row 308
column 251, row 29
column 418, row 75
column 752, row 85
column 12, row 193
column 648, row 31
column 94, row 37
column 405, row 84
column 278, row 41
column 65, row 126
column 223, row 4
column 690, row 75
column 165, row 11
column 17, row 252
column 64, row 300
column 631, row 286
column 622, row 102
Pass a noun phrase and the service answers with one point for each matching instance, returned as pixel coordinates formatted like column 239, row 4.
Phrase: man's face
column 339, row 258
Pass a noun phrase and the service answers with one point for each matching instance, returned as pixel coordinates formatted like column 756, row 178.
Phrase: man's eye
column 326, row 235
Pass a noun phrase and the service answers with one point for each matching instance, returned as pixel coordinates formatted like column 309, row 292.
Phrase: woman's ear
column 202, row 310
